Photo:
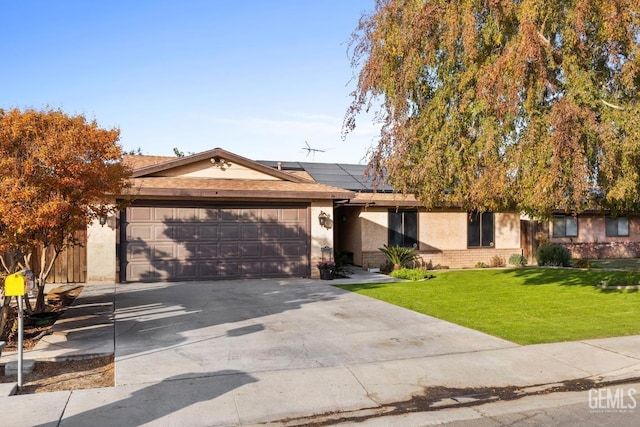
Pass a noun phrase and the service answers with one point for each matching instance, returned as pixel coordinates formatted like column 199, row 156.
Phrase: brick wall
column 604, row 250
column 451, row 258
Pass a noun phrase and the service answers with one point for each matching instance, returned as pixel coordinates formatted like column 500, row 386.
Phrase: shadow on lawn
column 575, row 277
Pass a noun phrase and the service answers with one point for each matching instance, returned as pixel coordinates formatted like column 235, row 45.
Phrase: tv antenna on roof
column 312, row 151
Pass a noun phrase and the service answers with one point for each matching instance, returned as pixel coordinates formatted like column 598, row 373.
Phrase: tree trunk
column 5, row 317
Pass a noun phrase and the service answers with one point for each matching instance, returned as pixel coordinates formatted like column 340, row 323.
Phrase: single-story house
column 217, row 215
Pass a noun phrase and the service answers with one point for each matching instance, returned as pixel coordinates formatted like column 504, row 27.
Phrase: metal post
column 20, row 335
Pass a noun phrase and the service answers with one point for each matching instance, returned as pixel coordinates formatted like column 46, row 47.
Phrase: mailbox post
column 17, row 285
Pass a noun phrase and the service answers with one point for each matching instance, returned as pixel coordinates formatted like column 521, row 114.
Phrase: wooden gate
column 71, row 265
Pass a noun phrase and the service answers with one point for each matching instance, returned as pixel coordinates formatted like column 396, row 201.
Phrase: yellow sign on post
column 14, row 285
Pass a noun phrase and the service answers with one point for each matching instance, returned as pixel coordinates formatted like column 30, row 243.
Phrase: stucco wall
column 101, row 251
column 320, row 236
column 507, row 230
column 592, row 229
column 592, row 240
column 442, row 238
column 205, row 169
column 374, row 232
column 442, row 230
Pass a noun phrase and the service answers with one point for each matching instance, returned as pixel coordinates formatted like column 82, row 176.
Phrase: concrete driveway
column 196, row 329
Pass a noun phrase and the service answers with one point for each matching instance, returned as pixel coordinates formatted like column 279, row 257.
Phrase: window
column 617, row 226
column 565, row 226
column 480, row 230
column 403, row 228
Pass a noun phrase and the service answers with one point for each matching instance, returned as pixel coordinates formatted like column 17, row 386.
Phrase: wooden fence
column 71, row 265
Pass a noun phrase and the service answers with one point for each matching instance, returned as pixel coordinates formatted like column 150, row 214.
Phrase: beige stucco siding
column 593, row 229
column 320, row 236
column 205, row 169
column 374, row 228
column 442, row 230
column 507, row 230
column 101, row 251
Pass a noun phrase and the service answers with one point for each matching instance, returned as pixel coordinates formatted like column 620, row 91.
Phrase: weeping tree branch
column 608, row 104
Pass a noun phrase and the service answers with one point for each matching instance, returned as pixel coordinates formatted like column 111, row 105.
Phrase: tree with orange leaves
column 56, row 174
column 530, row 105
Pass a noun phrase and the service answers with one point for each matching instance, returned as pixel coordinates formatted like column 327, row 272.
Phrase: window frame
column 407, row 241
column 608, row 219
column 481, row 230
column 565, row 218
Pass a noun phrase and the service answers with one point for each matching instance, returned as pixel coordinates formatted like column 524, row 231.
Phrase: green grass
column 525, row 305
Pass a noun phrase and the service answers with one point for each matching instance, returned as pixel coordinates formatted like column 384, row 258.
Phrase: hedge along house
column 373, row 218
column 213, row 215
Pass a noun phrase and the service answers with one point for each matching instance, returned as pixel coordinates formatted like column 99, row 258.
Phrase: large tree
column 57, row 173
column 494, row 104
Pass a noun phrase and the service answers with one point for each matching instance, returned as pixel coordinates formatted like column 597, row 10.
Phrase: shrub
column 518, row 260
column 619, row 280
column 553, row 255
column 480, row 264
column 497, row 261
column 582, row 263
column 413, row 274
column 399, row 256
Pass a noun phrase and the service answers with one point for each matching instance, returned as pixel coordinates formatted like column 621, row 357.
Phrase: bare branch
column 608, row 104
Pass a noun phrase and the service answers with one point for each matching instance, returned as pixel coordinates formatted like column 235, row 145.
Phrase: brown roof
column 137, row 161
column 384, row 199
column 227, row 188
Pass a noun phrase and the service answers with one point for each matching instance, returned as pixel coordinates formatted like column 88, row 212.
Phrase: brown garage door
column 195, row 243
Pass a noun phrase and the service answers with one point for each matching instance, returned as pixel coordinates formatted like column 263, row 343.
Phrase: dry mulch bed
column 63, row 375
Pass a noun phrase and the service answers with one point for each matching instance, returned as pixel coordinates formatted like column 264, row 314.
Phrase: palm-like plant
column 399, row 256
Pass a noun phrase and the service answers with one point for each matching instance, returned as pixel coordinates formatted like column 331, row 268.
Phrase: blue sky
column 258, row 78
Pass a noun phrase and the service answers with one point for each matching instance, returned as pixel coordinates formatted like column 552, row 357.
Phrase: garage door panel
column 291, row 215
column 229, row 231
column 163, row 232
column 227, row 250
column 206, row 250
column 138, row 251
column 186, row 214
column 229, row 214
column 250, row 231
column 250, row 250
column 292, row 249
column 140, row 214
column 292, row 233
column 207, row 232
column 164, row 252
column 141, row 232
column 228, row 269
column 207, row 215
column 185, row 243
column 271, row 231
column 163, row 214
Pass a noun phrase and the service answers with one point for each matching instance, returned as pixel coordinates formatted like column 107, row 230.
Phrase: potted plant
column 327, row 268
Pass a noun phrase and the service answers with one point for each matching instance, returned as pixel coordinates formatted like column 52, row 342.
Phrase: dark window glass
column 616, row 227
column 473, row 230
column 480, row 230
column 403, row 228
column 395, row 228
column 487, row 229
column 565, row 226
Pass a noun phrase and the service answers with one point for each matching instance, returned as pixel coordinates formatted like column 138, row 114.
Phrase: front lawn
column 526, row 305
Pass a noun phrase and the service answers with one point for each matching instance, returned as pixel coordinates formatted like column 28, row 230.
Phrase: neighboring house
column 596, row 235
column 216, row 215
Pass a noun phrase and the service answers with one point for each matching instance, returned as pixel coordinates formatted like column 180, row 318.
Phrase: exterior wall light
column 325, row 220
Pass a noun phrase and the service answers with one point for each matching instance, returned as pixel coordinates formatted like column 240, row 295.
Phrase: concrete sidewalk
column 224, row 371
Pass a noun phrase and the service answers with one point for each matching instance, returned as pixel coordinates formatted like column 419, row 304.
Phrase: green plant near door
column 399, row 256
